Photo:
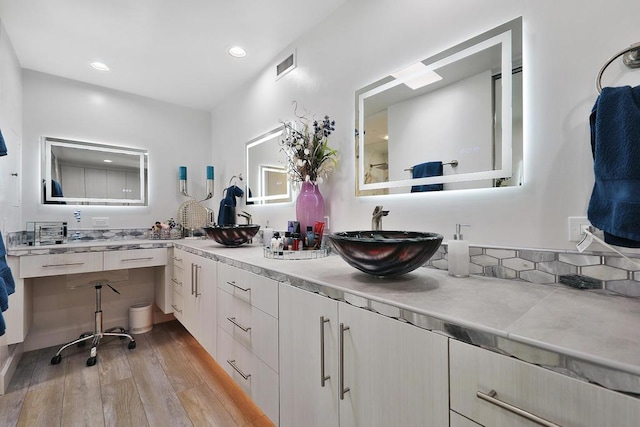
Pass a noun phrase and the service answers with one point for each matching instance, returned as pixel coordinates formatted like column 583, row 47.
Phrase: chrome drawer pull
column 138, row 259
column 323, row 377
column 63, row 265
column 175, row 258
column 176, row 308
column 176, row 282
column 233, row 365
column 343, row 390
column 238, row 287
column 233, row 320
column 491, row 398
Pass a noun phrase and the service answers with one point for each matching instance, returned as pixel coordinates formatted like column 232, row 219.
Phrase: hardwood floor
column 167, row 380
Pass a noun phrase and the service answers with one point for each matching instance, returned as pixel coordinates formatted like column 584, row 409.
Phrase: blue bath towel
column 3, row 146
column 424, row 170
column 615, row 143
column 7, row 285
column 227, row 212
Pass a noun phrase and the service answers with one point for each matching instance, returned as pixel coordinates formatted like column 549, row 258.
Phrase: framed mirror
column 267, row 178
column 86, row 173
column 451, row 121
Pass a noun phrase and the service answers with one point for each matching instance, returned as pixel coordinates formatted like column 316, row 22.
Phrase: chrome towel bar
column 631, row 59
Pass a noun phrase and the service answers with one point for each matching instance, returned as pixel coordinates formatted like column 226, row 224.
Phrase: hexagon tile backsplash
column 609, row 274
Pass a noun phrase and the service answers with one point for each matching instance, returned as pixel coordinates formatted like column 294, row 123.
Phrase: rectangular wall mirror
column 267, row 178
column 451, row 121
column 86, row 173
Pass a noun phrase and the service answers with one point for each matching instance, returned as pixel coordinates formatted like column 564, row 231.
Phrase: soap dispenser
column 458, row 250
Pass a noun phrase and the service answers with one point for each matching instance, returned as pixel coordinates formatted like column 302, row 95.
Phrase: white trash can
column 140, row 318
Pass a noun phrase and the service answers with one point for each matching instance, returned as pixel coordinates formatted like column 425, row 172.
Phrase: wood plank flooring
column 167, row 380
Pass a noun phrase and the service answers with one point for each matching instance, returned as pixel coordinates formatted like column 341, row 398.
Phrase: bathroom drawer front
column 178, row 258
column 262, row 382
column 261, row 338
column 56, row 264
column 177, row 279
column 543, row 393
column 258, row 291
column 135, row 258
column 178, row 306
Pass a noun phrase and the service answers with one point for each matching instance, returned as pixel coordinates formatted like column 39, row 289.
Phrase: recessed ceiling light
column 99, row 66
column 422, row 76
column 237, row 52
column 108, row 161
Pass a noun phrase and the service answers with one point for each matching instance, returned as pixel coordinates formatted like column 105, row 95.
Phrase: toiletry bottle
column 309, row 239
column 267, row 234
column 458, row 254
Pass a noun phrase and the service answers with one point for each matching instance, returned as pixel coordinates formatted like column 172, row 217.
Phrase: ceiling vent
column 286, row 65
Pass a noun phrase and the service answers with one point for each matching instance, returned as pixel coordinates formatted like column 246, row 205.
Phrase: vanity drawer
column 177, row 279
column 178, row 306
column 538, row 391
column 57, row 264
column 249, row 326
column 135, row 258
column 256, row 290
column 258, row 380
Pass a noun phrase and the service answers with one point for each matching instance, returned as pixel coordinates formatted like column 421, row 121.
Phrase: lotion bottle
column 267, row 235
column 458, row 254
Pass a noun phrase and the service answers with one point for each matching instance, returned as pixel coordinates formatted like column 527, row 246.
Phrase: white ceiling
column 170, row 50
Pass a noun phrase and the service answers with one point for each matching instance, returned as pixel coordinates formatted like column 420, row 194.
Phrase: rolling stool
column 98, row 333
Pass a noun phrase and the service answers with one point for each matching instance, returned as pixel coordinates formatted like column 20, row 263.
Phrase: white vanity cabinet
column 194, row 298
column 536, row 391
column 385, row 373
column 248, row 334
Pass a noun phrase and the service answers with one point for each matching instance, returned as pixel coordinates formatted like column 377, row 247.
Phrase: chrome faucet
column 246, row 215
column 376, row 221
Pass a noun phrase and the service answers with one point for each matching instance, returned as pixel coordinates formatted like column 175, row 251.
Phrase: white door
column 304, row 400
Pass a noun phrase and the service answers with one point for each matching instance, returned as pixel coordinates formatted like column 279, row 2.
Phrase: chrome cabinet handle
column 176, row 282
column 138, row 259
column 491, row 397
column 192, row 278
column 67, row 264
column 175, row 258
column 197, row 285
column 233, row 320
column 343, row 390
column 323, row 377
column 238, row 287
column 176, row 308
column 233, row 365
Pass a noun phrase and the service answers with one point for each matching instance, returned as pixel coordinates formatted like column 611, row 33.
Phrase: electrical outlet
column 577, row 227
column 100, row 221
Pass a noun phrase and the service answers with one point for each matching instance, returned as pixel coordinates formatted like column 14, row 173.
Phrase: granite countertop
column 584, row 334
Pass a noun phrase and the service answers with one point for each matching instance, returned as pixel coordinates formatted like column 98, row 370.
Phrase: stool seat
column 98, row 331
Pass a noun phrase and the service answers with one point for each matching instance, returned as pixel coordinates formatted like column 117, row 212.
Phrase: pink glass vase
column 309, row 206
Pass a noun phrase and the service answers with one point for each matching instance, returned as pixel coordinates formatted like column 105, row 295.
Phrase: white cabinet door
column 305, row 400
column 205, row 297
column 397, row 374
column 539, row 392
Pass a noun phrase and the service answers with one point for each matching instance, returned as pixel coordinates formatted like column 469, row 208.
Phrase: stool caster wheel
column 132, row 345
column 92, row 361
column 56, row 359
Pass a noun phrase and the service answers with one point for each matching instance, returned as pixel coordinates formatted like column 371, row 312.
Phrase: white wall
column 175, row 136
column 365, row 39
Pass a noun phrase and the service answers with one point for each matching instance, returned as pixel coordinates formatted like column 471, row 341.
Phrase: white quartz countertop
column 597, row 328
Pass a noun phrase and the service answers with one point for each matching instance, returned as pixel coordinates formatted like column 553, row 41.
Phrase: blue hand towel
column 424, row 170
column 3, row 146
column 615, row 143
column 227, row 212
column 7, row 284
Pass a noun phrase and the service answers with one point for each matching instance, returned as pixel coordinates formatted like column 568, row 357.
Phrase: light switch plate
column 101, row 221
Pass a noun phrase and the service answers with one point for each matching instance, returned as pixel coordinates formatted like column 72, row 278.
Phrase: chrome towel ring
column 631, row 59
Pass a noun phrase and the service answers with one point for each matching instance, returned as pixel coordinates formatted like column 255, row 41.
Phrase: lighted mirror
column 451, row 121
column 267, row 178
column 86, row 173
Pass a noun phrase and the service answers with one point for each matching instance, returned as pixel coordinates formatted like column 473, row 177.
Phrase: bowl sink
column 232, row 235
column 385, row 253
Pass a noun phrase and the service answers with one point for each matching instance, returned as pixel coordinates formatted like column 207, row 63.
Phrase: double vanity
column 316, row 342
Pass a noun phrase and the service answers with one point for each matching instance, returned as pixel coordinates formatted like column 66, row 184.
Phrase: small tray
column 304, row 254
